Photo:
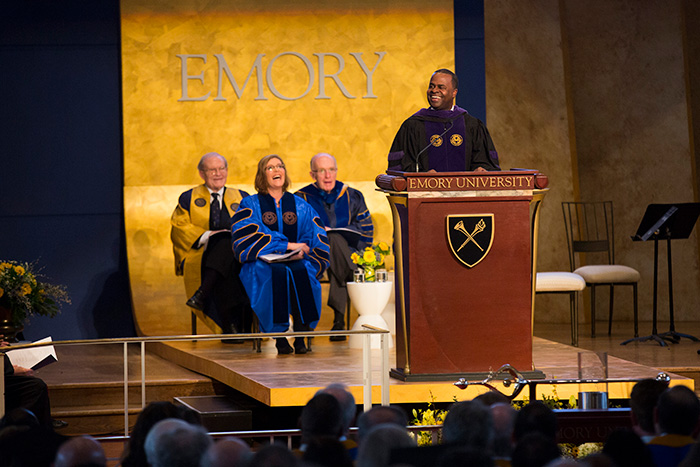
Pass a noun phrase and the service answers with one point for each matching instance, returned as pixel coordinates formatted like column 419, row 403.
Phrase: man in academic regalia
column 348, row 225
column 443, row 137
column 201, row 236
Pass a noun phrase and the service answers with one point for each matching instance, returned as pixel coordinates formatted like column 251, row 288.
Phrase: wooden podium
column 463, row 243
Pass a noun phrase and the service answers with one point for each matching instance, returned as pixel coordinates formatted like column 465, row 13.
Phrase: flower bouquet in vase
column 22, row 295
column 371, row 259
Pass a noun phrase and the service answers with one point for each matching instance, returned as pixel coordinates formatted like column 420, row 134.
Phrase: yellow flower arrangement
column 371, row 259
column 24, row 295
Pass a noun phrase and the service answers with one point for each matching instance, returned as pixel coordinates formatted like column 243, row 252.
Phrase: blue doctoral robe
column 263, row 281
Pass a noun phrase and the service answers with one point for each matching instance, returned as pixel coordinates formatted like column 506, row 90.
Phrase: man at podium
column 443, row 137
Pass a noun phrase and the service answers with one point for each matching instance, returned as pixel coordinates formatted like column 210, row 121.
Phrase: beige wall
column 594, row 95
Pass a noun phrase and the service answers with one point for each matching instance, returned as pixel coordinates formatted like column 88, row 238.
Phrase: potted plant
column 371, row 259
column 22, row 295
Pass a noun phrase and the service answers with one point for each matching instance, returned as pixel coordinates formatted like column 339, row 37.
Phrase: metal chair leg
column 612, row 300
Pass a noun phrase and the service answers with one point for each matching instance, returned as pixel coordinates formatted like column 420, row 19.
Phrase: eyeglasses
column 215, row 171
column 270, row 168
column 325, row 171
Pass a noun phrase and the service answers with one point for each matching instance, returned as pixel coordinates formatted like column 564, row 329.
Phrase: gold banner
column 250, row 78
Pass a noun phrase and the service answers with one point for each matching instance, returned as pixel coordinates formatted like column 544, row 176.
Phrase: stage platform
column 291, row 380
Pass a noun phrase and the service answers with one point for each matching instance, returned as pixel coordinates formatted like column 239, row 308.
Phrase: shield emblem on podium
column 470, row 237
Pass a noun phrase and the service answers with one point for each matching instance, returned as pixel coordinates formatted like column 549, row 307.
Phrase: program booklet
column 34, row 358
column 277, row 258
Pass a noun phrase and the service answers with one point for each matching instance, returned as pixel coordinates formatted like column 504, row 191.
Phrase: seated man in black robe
column 201, row 236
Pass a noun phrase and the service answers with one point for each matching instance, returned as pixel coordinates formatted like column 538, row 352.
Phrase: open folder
column 35, row 357
column 277, row 258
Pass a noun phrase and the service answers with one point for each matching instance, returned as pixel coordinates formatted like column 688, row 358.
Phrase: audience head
column 470, row 424
column 324, row 171
column 154, row 412
column 213, row 169
column 597, row 459
column 678, row 411
column 503, row 422
column 534, row 450
column 327, row 451
column 535, row 417
column 82, row 451
column 321, row 416
column 227, row 452
column 643, row 399
column 626, row 449
column 379, row 415
column 376, row 447
column 464, row 456
column 274, row 455
column 491, row 397
column 346, row 400
column 270, row 168
column 175, row 443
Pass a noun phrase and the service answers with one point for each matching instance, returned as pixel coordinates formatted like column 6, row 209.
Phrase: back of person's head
column 597, row 459
column 376, row 447
column 464, row 456
column 327, row 451
column 626, row 449
column 469, row 424
column 535, row 417
column 274, row 455
column 534, row 450
column 643, row 398
column 134, row 454
column 82, row 451
column 379, row 415
column 678, row 411
column 321, row 416
column 227, row 452
column 346, row 400
column 175, row 443
column 491, row 397
column 503, row 423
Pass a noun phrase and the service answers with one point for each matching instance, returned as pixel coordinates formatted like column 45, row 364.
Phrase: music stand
column 666, row 222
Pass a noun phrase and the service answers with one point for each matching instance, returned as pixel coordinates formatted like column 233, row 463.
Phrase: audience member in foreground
column 227, row 452
column 626, row 449
column 643, row 398
column 347, row 404
column 82, row 451
column 376, row 447
column 379, row 415
column 534, row 449
column 274, row 455
column 677, row 417
column 175, row 443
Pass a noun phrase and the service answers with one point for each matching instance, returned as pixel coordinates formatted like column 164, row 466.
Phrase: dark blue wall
column 62, row 175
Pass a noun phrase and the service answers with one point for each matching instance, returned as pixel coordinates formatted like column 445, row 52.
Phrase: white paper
column 32, row 358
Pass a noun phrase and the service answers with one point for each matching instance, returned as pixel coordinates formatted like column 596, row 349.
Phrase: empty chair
column 589, row 229
column 563, row 283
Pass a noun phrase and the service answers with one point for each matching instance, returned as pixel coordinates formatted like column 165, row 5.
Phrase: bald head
column 81, row 451
column 173, row 443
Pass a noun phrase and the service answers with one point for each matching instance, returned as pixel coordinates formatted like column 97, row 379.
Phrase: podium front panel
column 462, row 315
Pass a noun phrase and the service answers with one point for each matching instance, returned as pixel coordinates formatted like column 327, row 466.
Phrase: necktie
column 215, row 212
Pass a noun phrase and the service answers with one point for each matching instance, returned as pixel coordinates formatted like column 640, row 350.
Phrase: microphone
column 447, row 128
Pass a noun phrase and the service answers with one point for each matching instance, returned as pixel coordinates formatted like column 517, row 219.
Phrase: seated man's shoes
column 58, row 424
column 283, row 347
column 196, row 301
column 299, row 347
column 338, row 327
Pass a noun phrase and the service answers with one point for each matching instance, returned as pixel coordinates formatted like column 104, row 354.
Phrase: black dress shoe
column 299, row 346
column 283, row 347
column 196, row 301
column 58, row 424
column 338, row 327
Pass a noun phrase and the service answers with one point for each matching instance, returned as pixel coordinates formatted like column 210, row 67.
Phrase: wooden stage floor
column 291, row 380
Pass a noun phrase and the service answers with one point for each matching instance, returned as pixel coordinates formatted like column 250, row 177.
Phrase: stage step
column 219, row 413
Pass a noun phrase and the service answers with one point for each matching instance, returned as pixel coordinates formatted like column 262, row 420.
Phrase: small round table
column 369, row 299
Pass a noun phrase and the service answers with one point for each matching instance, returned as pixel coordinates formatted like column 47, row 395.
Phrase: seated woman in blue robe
column 275, row 222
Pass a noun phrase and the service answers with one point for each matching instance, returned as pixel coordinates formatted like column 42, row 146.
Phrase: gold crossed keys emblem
column 470, row 237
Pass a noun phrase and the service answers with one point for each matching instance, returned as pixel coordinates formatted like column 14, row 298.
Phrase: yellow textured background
column 164, row 138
